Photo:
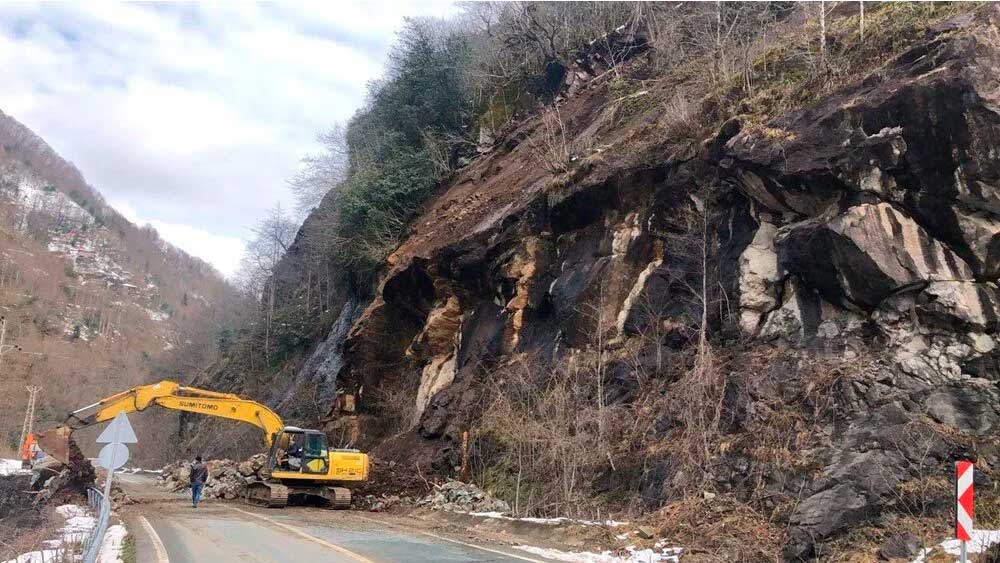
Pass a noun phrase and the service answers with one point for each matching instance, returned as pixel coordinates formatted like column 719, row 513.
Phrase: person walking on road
column 199, row 474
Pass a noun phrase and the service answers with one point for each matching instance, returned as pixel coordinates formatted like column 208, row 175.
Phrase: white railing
column 101, row 507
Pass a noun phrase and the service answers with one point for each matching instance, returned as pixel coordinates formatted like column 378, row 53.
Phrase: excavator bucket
column 55, row 442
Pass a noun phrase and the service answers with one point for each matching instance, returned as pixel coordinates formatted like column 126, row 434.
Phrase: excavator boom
column 167, row 394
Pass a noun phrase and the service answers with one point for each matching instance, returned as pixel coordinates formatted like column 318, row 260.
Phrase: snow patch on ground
column 157, row 316
column 658, row 554
column 141, row 470
column 12, row 467
column 980, row 542
column 41, row 556
column 111, row 549
column 550, row 521
column 79, row 523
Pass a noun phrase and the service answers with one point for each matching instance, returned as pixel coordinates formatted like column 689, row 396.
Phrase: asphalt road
column 166, row 528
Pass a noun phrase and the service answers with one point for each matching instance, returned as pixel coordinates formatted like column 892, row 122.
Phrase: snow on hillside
column 33, row 198
column 72, row 232
column 95, row 256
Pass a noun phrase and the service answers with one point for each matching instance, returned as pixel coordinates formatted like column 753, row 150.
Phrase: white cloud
column 193, row 115
column 223, row 252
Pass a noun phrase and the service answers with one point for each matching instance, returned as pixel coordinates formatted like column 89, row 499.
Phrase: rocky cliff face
column 863, row 228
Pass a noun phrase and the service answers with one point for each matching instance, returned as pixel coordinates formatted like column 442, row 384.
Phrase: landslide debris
column 226, row 477
column 456, row 496
column 25, row 496
column 81, row 470
column 52, row 479
column 14, row 495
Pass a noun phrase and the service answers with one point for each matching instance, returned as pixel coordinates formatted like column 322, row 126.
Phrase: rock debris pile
column 51, row 478
column 226, row 478
column 381, row 503
column 456, row 496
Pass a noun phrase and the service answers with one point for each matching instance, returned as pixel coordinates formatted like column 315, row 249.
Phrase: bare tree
column 822, row 34
column 823, row 8
column 690, row 242
column 551, row 147
column 272, row 238
column 321, row 172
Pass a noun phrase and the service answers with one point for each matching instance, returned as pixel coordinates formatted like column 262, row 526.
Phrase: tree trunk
column 702, row 335
column 718, row 41
column 822, row 35
column 862, row 3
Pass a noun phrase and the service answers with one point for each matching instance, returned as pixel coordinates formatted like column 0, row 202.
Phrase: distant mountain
column 94, row 303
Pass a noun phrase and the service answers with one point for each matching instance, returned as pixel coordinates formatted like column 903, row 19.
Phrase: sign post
column 113, row 455
column 964, row 504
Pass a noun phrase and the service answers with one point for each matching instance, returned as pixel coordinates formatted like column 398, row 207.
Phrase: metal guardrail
column 101, row 506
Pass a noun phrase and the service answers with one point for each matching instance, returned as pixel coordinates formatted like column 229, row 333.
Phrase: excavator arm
column 166, row 394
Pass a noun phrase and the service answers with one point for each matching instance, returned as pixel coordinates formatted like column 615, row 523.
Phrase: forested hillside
column 726, row 268
column 92, row 303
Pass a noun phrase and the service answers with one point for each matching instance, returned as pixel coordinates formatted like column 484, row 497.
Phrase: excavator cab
column 316, row 471
column 310, row 446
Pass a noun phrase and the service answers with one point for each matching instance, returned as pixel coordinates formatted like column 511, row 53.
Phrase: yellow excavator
column 316, row 471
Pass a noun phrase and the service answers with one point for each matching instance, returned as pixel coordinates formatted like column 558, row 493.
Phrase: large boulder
column 861, row 256
column 967, row 303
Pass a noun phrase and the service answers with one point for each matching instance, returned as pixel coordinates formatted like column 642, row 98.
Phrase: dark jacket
column 199, row 473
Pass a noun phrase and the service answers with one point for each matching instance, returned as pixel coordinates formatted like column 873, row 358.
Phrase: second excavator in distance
column 300, row 464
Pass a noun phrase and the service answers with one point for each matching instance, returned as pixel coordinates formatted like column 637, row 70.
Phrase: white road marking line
column 479, row 547
column 310, row 537
column 472, row 545
column 161, row 551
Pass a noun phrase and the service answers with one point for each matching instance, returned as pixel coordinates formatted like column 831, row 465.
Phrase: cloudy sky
column 191, row 117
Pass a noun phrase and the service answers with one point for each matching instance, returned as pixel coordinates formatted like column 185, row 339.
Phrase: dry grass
column 29, row 530
column 785, row 73
column 552, row 147
column 8, row 451
column 396, row 404
column 720, row 530
column 697, row 403
column 544, row 436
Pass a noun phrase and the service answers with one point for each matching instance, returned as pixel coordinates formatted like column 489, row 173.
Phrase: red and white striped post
column 964, row 504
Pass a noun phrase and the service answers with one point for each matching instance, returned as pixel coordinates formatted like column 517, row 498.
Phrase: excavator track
column 267, row 495
column 339, row 497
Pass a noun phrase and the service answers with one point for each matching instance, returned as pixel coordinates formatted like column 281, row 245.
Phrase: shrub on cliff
column 400, row 143
column 375, row 205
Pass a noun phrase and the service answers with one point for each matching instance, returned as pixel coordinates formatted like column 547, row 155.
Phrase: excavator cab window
column 299, row 451
column 315, row 458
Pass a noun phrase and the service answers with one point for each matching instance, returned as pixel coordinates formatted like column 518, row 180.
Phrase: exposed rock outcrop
column 865, row 224
column 865, row 254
